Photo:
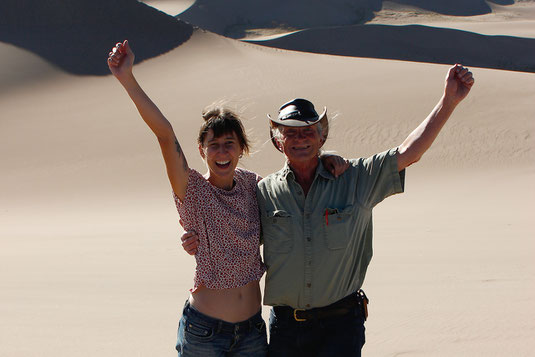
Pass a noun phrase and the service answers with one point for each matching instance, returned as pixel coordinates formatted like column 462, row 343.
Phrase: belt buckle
column 295, row 315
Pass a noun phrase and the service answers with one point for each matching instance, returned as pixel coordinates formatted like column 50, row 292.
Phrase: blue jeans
column 202, row 335
column 334, row 336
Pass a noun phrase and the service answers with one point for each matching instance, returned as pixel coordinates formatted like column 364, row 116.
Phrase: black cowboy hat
column 298, row 113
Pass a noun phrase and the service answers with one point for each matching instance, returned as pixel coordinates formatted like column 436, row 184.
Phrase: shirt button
column 307, row 216
column 308, row 239
column 309, row 285
column 308, row 305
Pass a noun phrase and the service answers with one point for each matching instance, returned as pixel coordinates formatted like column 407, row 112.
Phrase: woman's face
column 221, row 155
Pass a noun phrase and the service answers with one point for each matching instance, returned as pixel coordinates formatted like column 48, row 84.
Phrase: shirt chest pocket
column 336, row 226
column 278, row 232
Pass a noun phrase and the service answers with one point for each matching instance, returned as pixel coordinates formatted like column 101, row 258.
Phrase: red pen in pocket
column 326, row 216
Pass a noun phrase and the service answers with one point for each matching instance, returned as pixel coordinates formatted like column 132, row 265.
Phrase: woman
column 222, row 316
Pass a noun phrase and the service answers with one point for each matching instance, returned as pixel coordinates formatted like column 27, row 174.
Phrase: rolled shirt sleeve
column 378, row 178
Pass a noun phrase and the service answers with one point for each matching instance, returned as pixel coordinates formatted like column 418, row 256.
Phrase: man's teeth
column 222, row 162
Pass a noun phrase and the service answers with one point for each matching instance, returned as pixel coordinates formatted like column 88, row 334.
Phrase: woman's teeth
column 222, row 162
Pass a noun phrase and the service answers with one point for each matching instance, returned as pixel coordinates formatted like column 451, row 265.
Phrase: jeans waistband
column 224, row 326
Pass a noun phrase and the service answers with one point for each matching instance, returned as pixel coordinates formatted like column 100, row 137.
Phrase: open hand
column 459, row 81
column 121, row 59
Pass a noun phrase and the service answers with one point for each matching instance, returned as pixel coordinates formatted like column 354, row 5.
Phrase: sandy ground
column 171, row 7
column 90, row 263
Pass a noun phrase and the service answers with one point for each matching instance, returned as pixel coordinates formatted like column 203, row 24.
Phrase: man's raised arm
column 459, row 81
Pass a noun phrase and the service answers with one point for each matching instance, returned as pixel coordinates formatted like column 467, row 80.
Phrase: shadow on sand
column 414, row 43
column 233, row 18
column 76, row 35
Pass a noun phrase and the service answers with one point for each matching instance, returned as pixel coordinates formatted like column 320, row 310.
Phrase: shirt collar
column 286, row 170
column 320, row 170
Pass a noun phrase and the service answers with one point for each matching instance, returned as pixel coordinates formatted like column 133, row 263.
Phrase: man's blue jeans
column 202, row 335
column 334, row 336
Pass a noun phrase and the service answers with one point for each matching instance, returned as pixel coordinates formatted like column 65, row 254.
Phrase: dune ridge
column 344, row 28
column 75, row 35
column 455, row 7
column 170, row 7
column 414, row 43
column 233, row 18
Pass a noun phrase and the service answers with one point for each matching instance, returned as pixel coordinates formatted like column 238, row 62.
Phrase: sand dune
column 517, row 20
column 74, row 36
column 329, row 29
column 89, row 257
column 170, row 7
column 20, row 67
column 454, row 7
column 234, row 18
column 414, row 43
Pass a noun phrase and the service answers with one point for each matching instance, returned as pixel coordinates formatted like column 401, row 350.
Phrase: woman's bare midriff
column 231, row 305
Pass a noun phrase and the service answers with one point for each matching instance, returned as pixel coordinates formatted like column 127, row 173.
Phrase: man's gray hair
column 277, row 135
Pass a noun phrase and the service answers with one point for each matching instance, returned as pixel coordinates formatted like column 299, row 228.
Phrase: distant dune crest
column 414, row 43
column 87, row 28
column 233, row 17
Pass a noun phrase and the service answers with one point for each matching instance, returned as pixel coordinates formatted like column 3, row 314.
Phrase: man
column 317, row 229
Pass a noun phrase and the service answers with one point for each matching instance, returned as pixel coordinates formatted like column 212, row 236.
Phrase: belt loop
column 219, row 326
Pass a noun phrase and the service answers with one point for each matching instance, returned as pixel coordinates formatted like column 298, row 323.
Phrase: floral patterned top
column 228, row 225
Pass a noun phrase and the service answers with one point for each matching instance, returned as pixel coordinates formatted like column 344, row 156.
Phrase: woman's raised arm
column 120, row 62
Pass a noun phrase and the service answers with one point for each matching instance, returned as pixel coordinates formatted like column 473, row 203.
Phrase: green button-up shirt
column 317, row 248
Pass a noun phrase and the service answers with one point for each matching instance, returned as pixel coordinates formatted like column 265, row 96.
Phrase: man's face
column 300, row 144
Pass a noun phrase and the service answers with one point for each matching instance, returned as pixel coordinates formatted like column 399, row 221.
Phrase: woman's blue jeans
column 202, row 335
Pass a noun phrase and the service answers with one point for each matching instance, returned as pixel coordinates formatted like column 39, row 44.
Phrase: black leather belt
column 339, row 308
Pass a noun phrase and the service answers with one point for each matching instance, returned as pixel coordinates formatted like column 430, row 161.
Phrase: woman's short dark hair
column 223, row 121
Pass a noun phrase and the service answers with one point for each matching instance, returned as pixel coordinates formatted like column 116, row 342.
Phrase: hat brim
column 287, row 122
column 299, row 123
